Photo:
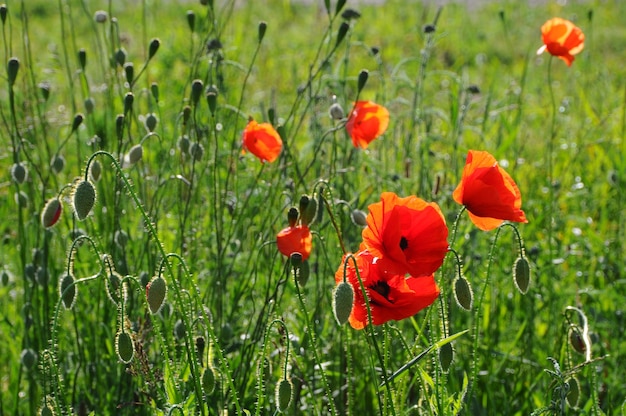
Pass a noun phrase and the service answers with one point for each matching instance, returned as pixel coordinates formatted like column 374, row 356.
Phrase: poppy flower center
column 382, row 288
column 404, row 244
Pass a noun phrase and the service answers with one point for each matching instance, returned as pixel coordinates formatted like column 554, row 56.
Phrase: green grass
column 228, row 287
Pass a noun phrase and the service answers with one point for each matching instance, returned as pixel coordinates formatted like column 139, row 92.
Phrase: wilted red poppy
column 367, row 121
column 296, row 239
column 488, row 192
column 262, row 140
column 391, row 296
column 562, row 39
column 408, row 235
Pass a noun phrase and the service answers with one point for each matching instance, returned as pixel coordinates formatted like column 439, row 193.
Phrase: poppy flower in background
column 391, row 296
column 562, row 39
column 295, row 239
column 262, row 140
column 488, row 192
column 367, row 121
column 408, row 235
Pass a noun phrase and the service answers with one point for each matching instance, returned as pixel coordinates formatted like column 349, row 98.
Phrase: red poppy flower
column 296, row 239
column 391, row 296
column 488, row 192
column 562, row 39
column 262, row 141
column 408, row 235
column 367, row 121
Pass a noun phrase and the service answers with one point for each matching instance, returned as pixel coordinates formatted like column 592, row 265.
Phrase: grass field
column 128, row 118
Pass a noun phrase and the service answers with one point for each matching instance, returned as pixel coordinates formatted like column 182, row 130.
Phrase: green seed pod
column 191, row 20
column 208, row 381
column 19, row 173
column 336, row 111
column 57, row 164
column 521, row 274
column 84, row 198
column 129, row 99
column 197, row 86
column 463, row 293
column 13, row 66
column 120, row 56
column 124, row 347
column 129, row 72
column 284, row 391
column 153, row 48
column 343, row 302
column 363, row 76
column 359, row 217
column 446, row 355
column 51, row 212
column 151, row 122
column 154, row 89
column 28, row 358
column 155, row 293
column 67, row 290
column 179, row 330
column 262, row 29
column 573, row 395
column 134, row 155
column 95, row 170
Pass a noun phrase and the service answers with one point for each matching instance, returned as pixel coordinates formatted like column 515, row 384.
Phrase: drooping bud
column 155, row 293
column 83, row 199
column 124, row 347
column 446, row 355
column 67, row 290
column 51, row 212
column 359, row 217
column 576, row 340
column 12, row 69
column 78, row 120
column 284, row 392
column 19, row 173
column 95, row 170
column 292, row 216
column 343, row 302
column 208, row 381
column 134, row 155
column 463, row 293
column 154, row 47
column 521, row 274
column 336, row 111
column 46, row 410
column 573, row 395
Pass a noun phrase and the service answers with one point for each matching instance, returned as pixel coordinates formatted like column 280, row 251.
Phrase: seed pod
column 573, row 395
column 262, row 29
column 463, row 293
column 51, row 212
column 12, row 68
column 129, row 72
column 284, row 391
column 359, row 217
column 521, row 274
column 446, row 355
column 343, row 302
column 155, row 293
column 208, row 381
column 124, row 347
column 95, row 170
column 191, row 20
column 83, row 199
column 153, row 48
column 19, row 173
column 67, row 290
column 28, row 358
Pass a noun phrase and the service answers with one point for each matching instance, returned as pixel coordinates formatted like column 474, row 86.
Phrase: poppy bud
column 521, row 274
column 124, row 347
column 211, row 98
column 19, row 173
column 95, row 170
column 336, row 111
column 12, row 69
column 446, row 355
column 208, row 381
column 576, row 340
column 463, row 293
column 359, row 217
column 120, row 56
column 129, row 71
column 5, row 277
column 57, row 164
column 44, row 88
column 341, row 33
column 573, row 394
column 151, row 122
column 183, row 143
column 262, row 29
column 284, row 392
column 46, row 410
column 119, row 126
column 120, row 238
column 28, row 358
column 100, row 16
column 303, row 271
column 155, row 294
column 179, row 330
column 129, row 99
column 429, row 28
column 90, row 105
column 144, row 278
column 153, row 48
column 343, row 301
column 154, row 89
column 197, row 86
column 196, row 150
column 191, row 20
column 3, row 13
column 51, row 212
column 186, row 114
column 67, row 290
column 78, row 120
column 292, row 216
column 82, row 58
column 363, row 76
column 114, row 288
column 83, row 199
column 200, row 344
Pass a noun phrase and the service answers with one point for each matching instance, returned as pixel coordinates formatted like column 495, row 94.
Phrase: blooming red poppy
column 367, row 121
column 391, row 296
column 262, row 140
column 562, row 39
column 296, row 239
column 488, row 192
column 408, row 235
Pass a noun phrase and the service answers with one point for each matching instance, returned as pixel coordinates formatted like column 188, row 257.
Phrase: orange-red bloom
column 367, row 121
column 262, row 140
column 408, row 235
column 391, row 296
column 562, row 39
column 488, row 192
column 296, row 239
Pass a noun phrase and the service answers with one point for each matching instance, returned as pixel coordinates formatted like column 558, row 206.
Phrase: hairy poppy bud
column 114, row 288
column 95, row 170
column 446, row 355
column 303, row 271
column 343, row 301
column 83, row 199
column 576, row 340
column 119, row 125
column 129, row 71
column 521, row 274
column 196, row 150
column 208, row 381
column 573, row 395
column 284, row 391
column 154, row 47
column 191, row 20
column 28, row 358
column 211, row 98
column 46, row 411
column 19, row 173
column 12, row 69
column 124, row 347
column 120, row 56
column 155, row 293
column 134, row 155
column 359, row 217
column 3, row 13
column 57, row 164
column 67, row 290
column 78, row 120
column 463, row 293
column 120, row 238
column 51, row 212
column 336, row 111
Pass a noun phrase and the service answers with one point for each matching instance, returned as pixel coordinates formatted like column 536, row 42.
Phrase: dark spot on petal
column 404, row 244
column 381, row 288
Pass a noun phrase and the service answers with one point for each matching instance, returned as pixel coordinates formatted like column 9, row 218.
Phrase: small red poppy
column 562, row 39
column 367, row 121
column 296, row 239
column 262, row 140
column 408, row 235
column 490, row 195
column 391, row 296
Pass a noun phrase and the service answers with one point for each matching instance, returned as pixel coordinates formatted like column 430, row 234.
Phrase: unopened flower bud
column 463, row 293
column 129, row 71
column 78, row 120
column 211, row 98
column 573, row 395
column 124, row 347
column 84, row 198
column 44, row 89
column 67, row 290
column 262, row 29
column 100, row 16
column 183, row 143
column 90, row 105
column 57, row 164
column 95, row 170
column 446, row 355
column 196, row 150
column 343, row 302
column 154, row 47
column 82, row 58
column 336, row 111
column 197, row 86
column 154, row 89
column 19, row 173
column 121, row 238
column 363, row 77
column 3, row 13
column 28, row 358
column 521, row 274
column 284, row 392
column 51, row 212
column 155, row 293
column 179, row 330
column 208, row 380
column 151, row 122
column 12, row 69
column 191, row 20
column 359, row 217
column 129, row 99
column 120, row 56
column 119, row 125
column 341, row 33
